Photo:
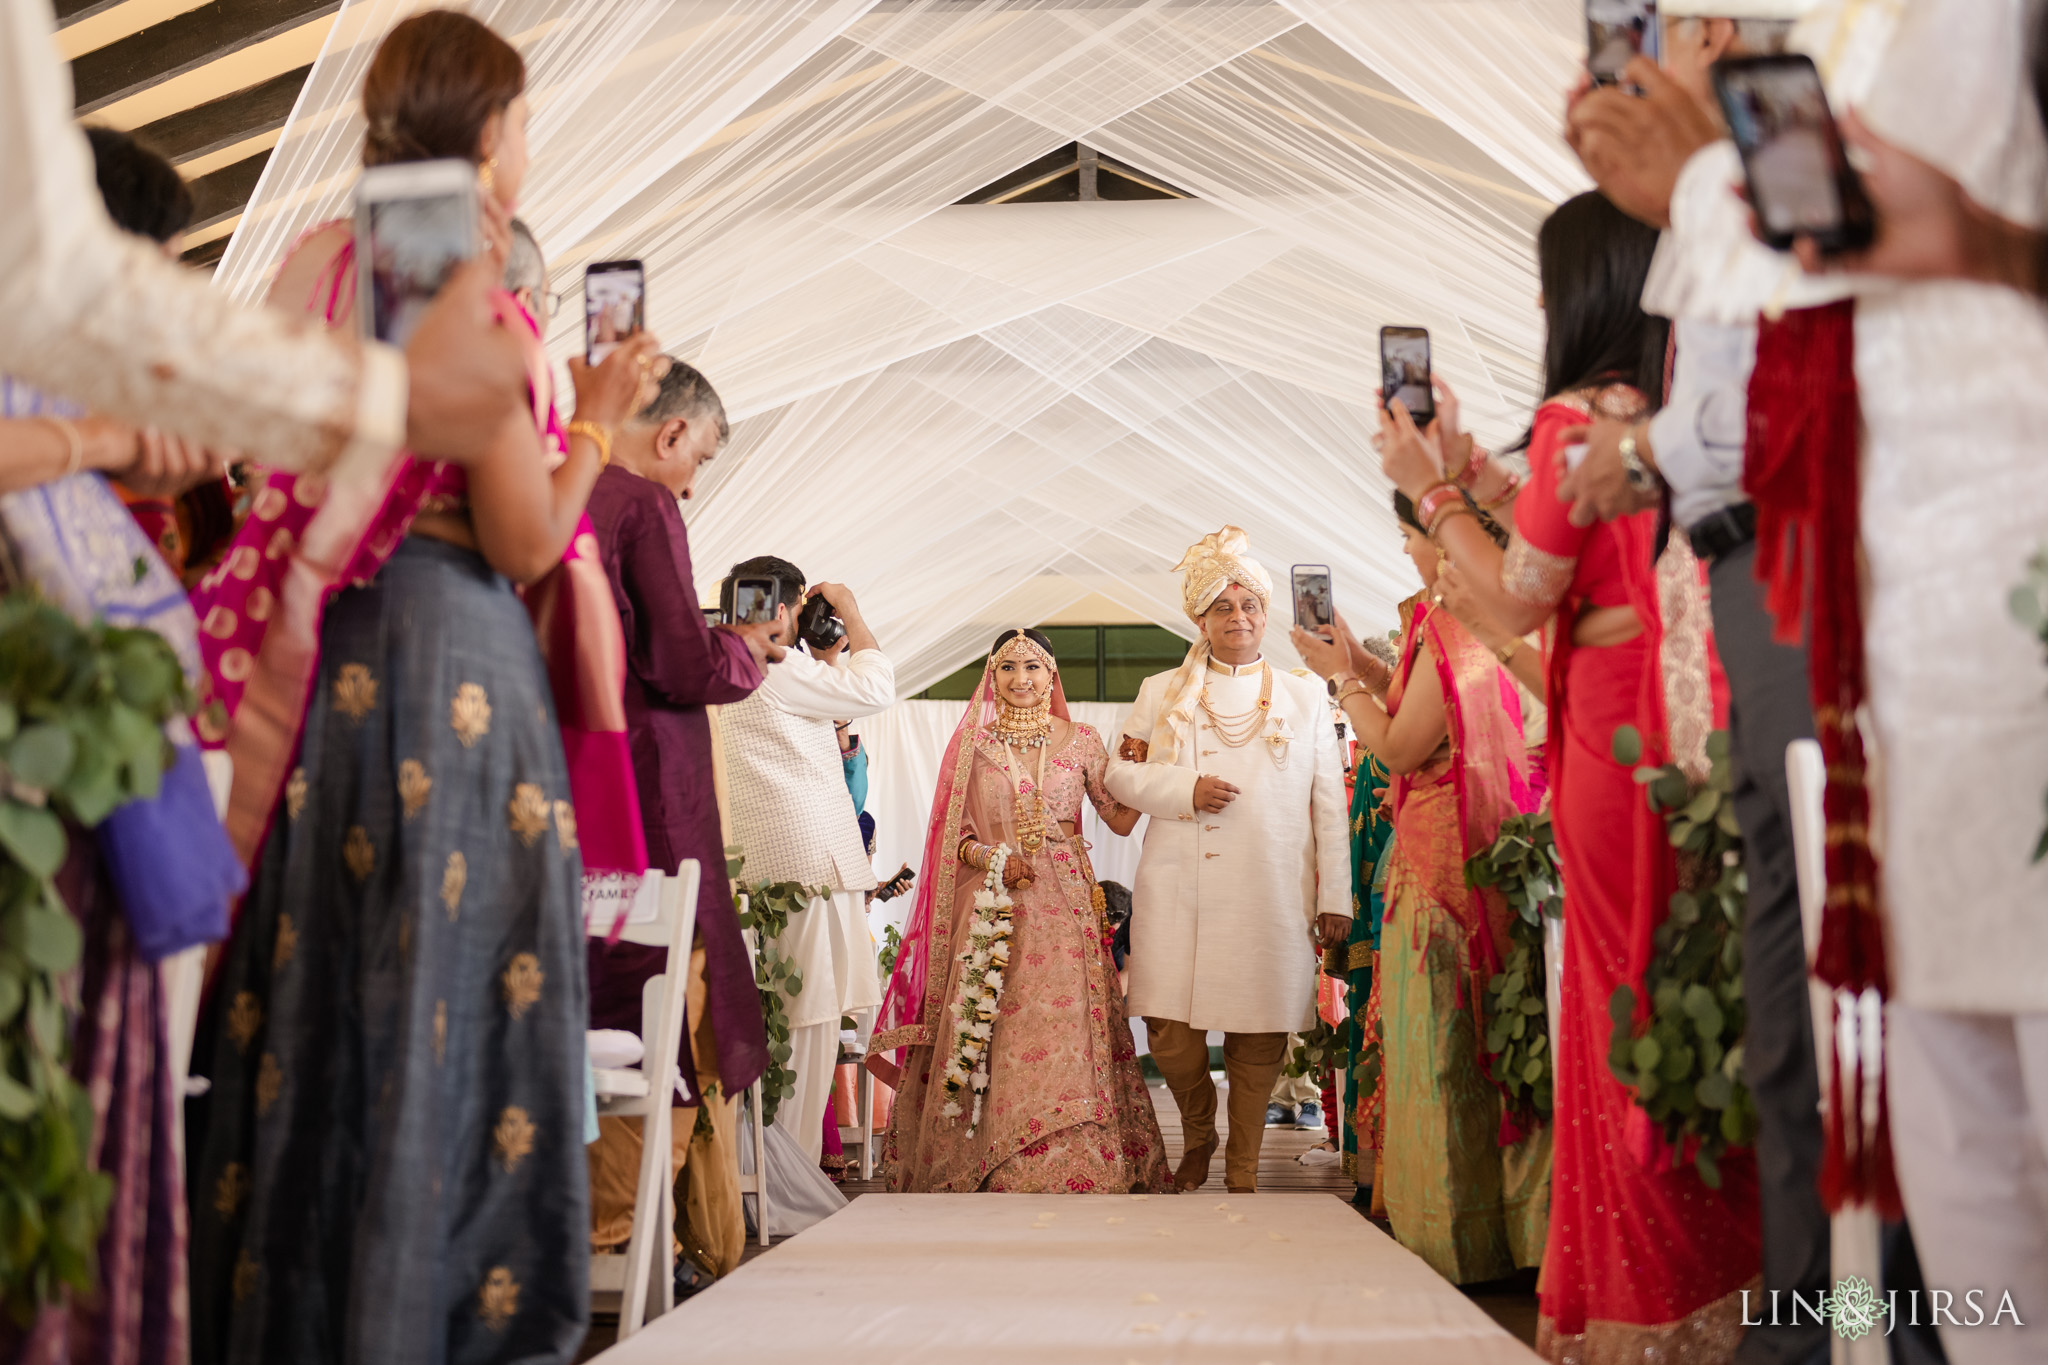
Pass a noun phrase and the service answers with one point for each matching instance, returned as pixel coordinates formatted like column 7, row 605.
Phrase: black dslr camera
column 817, row 627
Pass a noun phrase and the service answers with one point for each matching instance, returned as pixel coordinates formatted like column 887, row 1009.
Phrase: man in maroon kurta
column 676, row 666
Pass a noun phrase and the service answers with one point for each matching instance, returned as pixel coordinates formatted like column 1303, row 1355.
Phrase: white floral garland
column 982, row 964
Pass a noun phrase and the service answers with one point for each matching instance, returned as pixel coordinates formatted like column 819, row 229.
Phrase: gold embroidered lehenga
column 1066, row 1109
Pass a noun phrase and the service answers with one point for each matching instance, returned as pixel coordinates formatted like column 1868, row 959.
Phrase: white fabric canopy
column 977, row 415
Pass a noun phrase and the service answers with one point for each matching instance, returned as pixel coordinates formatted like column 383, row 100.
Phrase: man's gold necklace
column 1241, row 729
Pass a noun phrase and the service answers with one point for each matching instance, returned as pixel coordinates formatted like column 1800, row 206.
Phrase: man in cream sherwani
column 1246, row 867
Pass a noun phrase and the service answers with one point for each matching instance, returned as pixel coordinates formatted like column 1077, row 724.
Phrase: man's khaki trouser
column 1251, row 1062
column 712, row 1225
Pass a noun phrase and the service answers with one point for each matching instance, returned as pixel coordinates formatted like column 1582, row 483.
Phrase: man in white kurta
column 1246, row 866
column 795, row 822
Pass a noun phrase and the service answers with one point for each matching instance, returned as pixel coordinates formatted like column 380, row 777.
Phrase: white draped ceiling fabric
column 979, row 415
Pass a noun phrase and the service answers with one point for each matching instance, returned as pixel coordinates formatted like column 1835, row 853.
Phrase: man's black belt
column 1723, row 532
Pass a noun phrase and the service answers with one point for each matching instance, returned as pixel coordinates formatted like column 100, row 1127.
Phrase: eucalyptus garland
column 1318, row 1050
column 2029, row 603
column 769, row 906
column 81, row 733
column 1685, row 1067
column 1522, row 863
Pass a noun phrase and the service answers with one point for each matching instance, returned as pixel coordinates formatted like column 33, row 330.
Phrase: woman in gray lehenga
column 390, row 1164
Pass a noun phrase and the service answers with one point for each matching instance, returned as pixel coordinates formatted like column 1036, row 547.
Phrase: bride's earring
column 487, row 174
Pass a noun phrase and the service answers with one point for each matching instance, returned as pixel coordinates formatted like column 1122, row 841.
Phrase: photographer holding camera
column 794, row 819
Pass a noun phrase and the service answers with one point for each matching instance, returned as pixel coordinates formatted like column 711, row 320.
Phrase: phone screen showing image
column 614, row 307
column 1799, row 179
column 754, row 601
column 414, row 245
column 1314, row 609
column 1617, row 31
column 1404, row 372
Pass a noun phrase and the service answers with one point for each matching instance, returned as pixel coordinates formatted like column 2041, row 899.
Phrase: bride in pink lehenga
column 1065, row 1109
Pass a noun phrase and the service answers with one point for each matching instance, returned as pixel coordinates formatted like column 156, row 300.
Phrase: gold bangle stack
column 598, row 437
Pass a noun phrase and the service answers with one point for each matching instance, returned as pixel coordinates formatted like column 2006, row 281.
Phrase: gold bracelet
column 65, row 427
column 1352, row 687
column 599, row 437
column 1444, row 514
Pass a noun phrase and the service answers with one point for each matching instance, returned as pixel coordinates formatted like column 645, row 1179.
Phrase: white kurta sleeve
column 100, row 317
column 1330, row 817
column 811, row 688
column 1165, row 790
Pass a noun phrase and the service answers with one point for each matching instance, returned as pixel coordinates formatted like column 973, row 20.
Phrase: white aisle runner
column 1001, row 1279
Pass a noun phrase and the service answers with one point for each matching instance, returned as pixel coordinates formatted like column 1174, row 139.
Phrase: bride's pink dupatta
column 911, row 1002
column 308, row 537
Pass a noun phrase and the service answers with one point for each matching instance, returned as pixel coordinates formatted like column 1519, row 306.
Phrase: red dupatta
column 1800, row 469
column 308, row 537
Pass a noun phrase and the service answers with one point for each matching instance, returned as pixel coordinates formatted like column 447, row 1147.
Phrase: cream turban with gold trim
column 1210, row 567
column 1206, row 570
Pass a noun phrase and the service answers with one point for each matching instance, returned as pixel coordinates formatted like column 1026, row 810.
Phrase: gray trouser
column 1768, row 709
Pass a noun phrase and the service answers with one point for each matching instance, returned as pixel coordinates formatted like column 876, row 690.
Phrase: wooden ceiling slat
column 226, row 191
column 71, row 11
column 223, row 122
column 189, row 41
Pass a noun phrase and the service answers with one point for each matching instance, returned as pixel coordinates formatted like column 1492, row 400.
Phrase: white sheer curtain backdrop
column 982, row 414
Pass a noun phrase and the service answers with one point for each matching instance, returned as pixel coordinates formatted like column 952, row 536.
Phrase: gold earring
column 487, row 174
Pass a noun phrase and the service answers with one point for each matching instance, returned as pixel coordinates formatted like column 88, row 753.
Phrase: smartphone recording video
column 415, row 222
column 1800, row 182
column 754, row 601
column 1314, row 608
column 1404, row 372
column 1617, row 31
column 614, row 307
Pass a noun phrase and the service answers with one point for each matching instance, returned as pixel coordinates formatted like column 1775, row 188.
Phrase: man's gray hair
column 525, row 267
column 686, row 393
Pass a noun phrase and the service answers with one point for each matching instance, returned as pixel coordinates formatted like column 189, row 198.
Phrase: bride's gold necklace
column 1241, row 729
column 1025, row 727
column 1030, row 805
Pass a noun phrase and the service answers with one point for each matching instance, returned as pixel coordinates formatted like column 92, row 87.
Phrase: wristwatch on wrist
column 1641, row 477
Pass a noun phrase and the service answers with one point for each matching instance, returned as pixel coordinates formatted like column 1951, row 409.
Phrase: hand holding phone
column 1800, row 181
column 1314, row 606
column 415, row 223
column 1404, row 372
column 614, row 307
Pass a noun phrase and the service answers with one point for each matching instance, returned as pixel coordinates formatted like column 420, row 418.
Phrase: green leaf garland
column 1685, row 1065
column 769, row 906
column 1522, row 864
column 82, row 711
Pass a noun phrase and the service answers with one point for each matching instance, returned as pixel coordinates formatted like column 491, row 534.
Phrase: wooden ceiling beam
column 219, row 124
column 191, row 40
column 225, row 192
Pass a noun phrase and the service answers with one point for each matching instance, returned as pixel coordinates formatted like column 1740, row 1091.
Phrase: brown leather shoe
column 1193, row 1171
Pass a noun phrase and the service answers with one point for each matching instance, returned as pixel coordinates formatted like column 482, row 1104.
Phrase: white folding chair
column 649, row 1094
column 755, row 1182
column 1855, row 1233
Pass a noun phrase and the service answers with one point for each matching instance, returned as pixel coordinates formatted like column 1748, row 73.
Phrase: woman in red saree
column 1644, row 1262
